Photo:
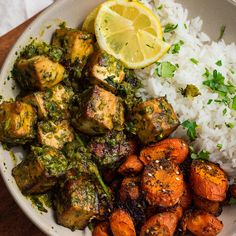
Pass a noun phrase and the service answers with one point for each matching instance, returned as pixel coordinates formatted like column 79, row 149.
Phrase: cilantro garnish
column 165, row 69
column 216, row 82
column 224, row 111
column 170, row 27
column 191, row 129
column 176, row 47
column 229, row 125
column 233, row 106
column 203, row 155
column 219, row 146
column 194, row 61
column 219, row 63
column 222, row 31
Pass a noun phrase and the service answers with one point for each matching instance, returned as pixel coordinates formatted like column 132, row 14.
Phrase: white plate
column 214, row 12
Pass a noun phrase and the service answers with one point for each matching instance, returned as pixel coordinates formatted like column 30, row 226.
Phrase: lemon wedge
column 88, row 24
column 130, row 32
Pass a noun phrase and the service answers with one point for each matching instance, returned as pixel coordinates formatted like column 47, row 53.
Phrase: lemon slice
column 130, row 32
column 88, row 24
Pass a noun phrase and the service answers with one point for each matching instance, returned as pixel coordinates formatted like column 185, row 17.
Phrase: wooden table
column 13, row 222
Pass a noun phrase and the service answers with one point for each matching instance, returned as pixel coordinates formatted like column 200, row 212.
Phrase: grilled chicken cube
column 103, row 69
column 98, row 111
column 40, row 170
column 52, row 103
column 111, row 148
column 17, row 120
column 154, row 120
column 78, row 44
column 38, row 73
column 55, row 134
column 77, row 203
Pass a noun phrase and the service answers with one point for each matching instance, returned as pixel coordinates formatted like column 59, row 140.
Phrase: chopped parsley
column 170, row 27
column 191, row 129
column 233, row 106
column 229, row 125
column 224, row 111
column 176, row 47
column 203, row 155
column 160, row 7
column 190, row 91
column 209, row 101
column 216, row 82
column 194, row 61
column 219, row 146
column 219, row 63
column 165, row 69
column 222, row 31
column 185, row 26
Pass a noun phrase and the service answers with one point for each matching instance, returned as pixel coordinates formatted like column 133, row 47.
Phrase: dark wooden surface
column 13, row 221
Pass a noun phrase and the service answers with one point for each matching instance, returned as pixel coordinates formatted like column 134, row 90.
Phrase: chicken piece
column 76, row 203
column 98, row 111
column 38, row 73
column 121, row 223
column 52, row 104
column 186, row 198
column 104, row 70
column 154, row 120
column 132, row 165
column 208, row 180
column 130, row 189
column 110, row 149
column 17, row 121
column 102, row 229
column 162, row 224
column 209, row 206
column 40, row 171
column 174, row 149
column 77, row 44
column 55, row 134
column 201, row 223
column 163, row 183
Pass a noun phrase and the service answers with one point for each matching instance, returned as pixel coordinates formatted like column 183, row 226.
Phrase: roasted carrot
column 208, row 180
column 102, row 229
column 130, row 189
column 174, row 149
column 162, row 182
column 121, row 223
column 206, row 205
column 201, row 223
column 186, row 198
column 132, row 165
column 160, row 224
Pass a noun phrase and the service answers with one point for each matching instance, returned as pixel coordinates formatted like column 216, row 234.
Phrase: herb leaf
column 203, row 155
column 170, row 27
column 233, row 106
column 176, row 47
column 219, row 63
column 194, row 61
column 216, row 82
column 222, row 31
column 191, row 129
column 165, row 69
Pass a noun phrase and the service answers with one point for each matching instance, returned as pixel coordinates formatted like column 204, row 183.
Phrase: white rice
column 209, row 117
